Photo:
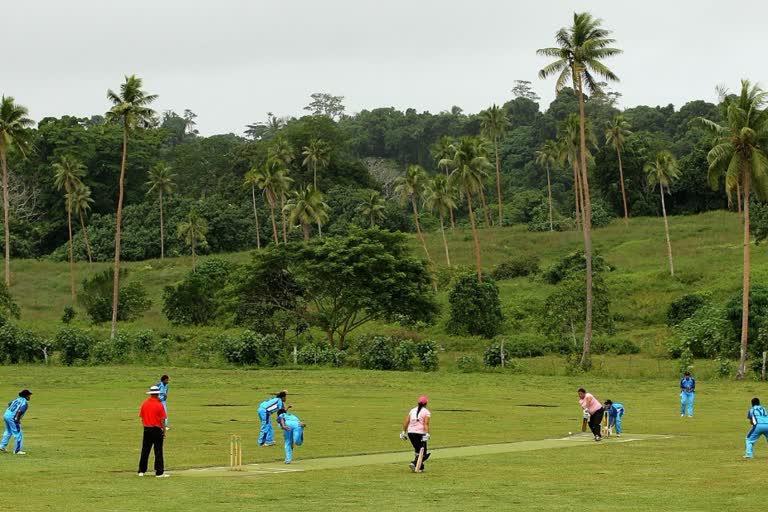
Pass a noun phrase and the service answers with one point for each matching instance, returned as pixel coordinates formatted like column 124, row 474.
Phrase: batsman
column 416, row 430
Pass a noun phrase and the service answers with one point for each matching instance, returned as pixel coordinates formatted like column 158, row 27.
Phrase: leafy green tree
column 307, row 206
column 410, row 187
column 252, row 179
column 662, row 172
column 161, row 183
column 80, row 201
column 615, row 135
column 67, row 175
column 439, row 196
column 14, row 125
column 475, row 307
column 197, row 300
column 579, row 53
column 494, row 123
column 193, row 231
column 372, row 208
column 95, row 297
column 130, row 109
column 324, row 104
column 739, row 155
column 547, row 157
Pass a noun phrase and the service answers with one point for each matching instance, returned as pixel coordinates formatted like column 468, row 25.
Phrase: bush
column 404, row 354
column 724, row 368
column 686, row 361
column 520, row 266
column 69, row 315
column 684, row 307
column 467, row 364
column 758, row 311
column 540, row 220
column 320, row 354
column 475, row 307
column 8, row 307
column 96, row 297
column 601, row 214
column 426, row 351
column 74, row 345
column 575, row 263
column 492, row 355
column 18, row 345
column 195, row 300
column 615, row 346
column 706, row 334
column 252, row 348
column 376, row 353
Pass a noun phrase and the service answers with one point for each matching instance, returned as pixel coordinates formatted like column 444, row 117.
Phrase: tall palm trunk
column 488, row 221
column 418, row 228
column 71, row 251
column 498, row 181
column 738, row 202
column 445, row 243
column 305, row 228
column 577, row 192
column 666, row 230
column 282, row 216
column 549, row 193
column 271, row 202
column 194, row 255
column 162, row 228
column 478, row 258
column 87, row 244
column 5, row 219
column 623, row 193
column 742, row 371
column 314, row 174
column 256, row 216
column 587, row 229
column 118, row 222
column 450, row 210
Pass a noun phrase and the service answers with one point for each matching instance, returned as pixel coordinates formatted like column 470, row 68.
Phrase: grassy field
column 83, row 437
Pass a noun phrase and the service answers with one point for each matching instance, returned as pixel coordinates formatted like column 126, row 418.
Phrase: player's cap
column 25, row 393
column 423, row 400
column 154, row 390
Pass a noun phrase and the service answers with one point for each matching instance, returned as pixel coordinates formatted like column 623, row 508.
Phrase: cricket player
column 416, row 430
column 152, row 414
column 266, row 409
column 758, row 418
column 687, row 391
column 163, row 396
column 592, row 405
column 12, row 418
column 293, row 431
column 615, row 411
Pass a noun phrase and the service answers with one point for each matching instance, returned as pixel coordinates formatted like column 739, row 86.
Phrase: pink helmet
column 423, row 400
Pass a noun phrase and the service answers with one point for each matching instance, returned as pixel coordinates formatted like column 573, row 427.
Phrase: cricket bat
column 419, row 461
column 584, row 425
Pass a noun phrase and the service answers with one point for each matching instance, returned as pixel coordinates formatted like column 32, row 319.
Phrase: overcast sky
column 231, row 61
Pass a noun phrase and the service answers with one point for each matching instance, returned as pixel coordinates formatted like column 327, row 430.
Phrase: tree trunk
column 742, row 371
column 71, row 251
column 445, row 243
column 305, row 228
column 498, row 181
column 623, row 192
column 6, row 220
column 194, row 261
column 488, row 221
column 765, row 360
column 738, row 202
column 577, row 193
column 587, row 212
column 87, row 244
column 479, row 263
column 256, row 216
column 666, row 230
column 549, row 193
column 314, row 174
column 118, row 222
column 274, row 224
column 453, row 222
column 418, row 228
column 162, row 229
column 282, row 216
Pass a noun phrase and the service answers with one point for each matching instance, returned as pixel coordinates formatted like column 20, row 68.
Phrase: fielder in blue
column 758, row 418
column 293, row 430
column 687, row 391
column 615, row 411
column 12, row 418
column 163, row 396
column 266, row 409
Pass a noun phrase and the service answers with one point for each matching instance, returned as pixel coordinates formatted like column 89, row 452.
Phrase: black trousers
column 417, row 443
column 594, row 422
column 153, row 438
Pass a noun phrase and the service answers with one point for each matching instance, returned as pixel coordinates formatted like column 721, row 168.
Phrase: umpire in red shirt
column 153, row 415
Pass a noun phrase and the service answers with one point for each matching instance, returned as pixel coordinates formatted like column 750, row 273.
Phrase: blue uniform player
column 163, row 396
column 758, row 418
column 615, row 411
column 12, row 418
column 687, row 391
column 293, row 431
column 266, row 409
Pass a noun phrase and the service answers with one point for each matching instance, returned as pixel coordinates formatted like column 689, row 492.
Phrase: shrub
column 320, row 354
column 724, row 368
column 96, row 297
column 758, row 311
column 705, row 334
column 426, row 351
column 404, row 353
column 19, row 345
column 520, row 266
column 252, row 348
column 475, row 307
column 69, row 315
column 684, row 307
column 8, row 307
column 601, row 214
column 376, row 353
column 563, row 312
column 74, row 345
column 575, row 263
column 540, row 219
column 195, row 300
column 620, row 346
column 492, row 355
column 686, row 361
column 467, row 364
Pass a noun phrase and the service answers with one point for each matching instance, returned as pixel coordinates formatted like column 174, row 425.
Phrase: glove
column 425, row 437
column 403, row 436
column 586, row 414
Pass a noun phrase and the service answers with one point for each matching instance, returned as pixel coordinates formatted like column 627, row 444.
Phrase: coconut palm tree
column 282, row 150
column 547, row 157
column 372, row 208
column 13, row 133
column 67, row 174
column 443, row 151
column 439, row 196
column 662, row 172
column 468, row 170
column 81, row 200
column 130, row 109
column 272, row 180
column 252, row 180
column 193, row 231
column 316, row 154
column 494, row 124
column 739, row 155
column 615, row 135
column 579, row 53
column 410, row 187
column 306, row 207
column 481, row 149
column 161, row 183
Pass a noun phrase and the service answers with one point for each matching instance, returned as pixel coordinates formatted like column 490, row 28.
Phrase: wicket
column 605, row 429
column 235, row 453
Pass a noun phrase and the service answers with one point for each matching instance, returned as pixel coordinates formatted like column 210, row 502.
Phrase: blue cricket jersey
column 688, row 384
column 289, row 419
column 757, row 415
column 615, row 410
column 163, row 396
column 16, row 409
column 271, row 405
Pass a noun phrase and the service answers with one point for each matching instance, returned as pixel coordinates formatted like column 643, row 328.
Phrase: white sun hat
column 154, row 390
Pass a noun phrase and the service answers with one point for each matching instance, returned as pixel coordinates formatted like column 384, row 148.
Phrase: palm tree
column 306, row 207
column 282, row 187
column 317, row 153
column 663, row 171
column 481, row 149
column 67, row 173
column 130, row 108
column 13, row 132
column 468, row 170
column 252, row 180
column 272, row 180
column 81, row 200
column 494, row 124
column 410, row 187
column 372, row 207
column 281, row 150
column 579, row 53
column 570, row 143
column 443, row 151
column 739, row 155
column 615, row 135
column 439, row 196
column 193, row 231
column 546, row 157
column 161, row 182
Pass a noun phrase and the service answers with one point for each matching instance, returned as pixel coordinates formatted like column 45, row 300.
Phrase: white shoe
column 3, row 449
column 268, row 444
column 164, row 475
column 167, row 428
column 20, row 453
column 141, row 474
column 682, row 415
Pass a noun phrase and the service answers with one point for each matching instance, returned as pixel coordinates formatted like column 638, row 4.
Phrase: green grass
column 83, row 437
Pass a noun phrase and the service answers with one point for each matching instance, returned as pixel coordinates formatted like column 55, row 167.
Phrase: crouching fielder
column 293, row 430
column 416, row 430
column 758, row 418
